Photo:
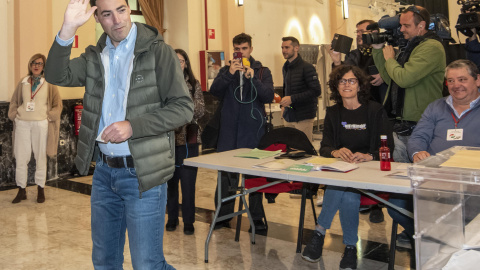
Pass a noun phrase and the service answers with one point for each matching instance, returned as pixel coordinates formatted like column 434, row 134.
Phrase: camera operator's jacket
column 158, row 102
column 422, row 76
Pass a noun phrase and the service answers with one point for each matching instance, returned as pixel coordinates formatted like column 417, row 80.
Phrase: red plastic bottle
column 384, row 153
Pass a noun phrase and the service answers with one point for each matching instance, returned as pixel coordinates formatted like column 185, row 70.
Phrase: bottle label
column 385, row 155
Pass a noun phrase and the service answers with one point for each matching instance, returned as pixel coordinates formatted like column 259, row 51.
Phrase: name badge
column 455, row 134
column 30, row 106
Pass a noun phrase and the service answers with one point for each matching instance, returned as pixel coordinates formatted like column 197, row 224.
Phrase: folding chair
column 287, row 139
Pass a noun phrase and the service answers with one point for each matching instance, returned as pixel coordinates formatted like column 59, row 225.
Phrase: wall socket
column 62, row 142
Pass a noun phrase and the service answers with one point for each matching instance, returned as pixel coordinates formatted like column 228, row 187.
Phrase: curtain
column 153, row 12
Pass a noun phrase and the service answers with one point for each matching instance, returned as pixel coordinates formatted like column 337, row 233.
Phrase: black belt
column 118, row 162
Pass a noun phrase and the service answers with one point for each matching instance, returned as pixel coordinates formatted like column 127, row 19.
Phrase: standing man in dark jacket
column 135, row 95
column 242, row 122
column 301, row 89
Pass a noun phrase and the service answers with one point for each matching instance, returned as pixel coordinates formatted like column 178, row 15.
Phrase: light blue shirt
column 118, row 64
column 449, row 101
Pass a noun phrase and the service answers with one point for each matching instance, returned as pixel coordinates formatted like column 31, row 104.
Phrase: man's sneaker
column 313, row 250
column 259, row 226
column 403, row 240
column 319, row 201
column 376, row 215
column 349, row 258
column 320, row 194
column 222, row 224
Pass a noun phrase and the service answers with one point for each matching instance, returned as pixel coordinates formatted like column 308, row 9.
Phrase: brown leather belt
column 118, row 162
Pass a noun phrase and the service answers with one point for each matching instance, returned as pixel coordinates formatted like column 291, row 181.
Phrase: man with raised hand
column 135, row 95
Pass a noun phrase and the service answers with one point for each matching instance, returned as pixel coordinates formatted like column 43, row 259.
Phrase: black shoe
column 403, row 240
column 349, row 258
column 41, row 195
column 376, row 215
column 188, row 228
column 259, row 226
column 21, row 195
column 313, row 250
column 171, row 225
column 222, row 224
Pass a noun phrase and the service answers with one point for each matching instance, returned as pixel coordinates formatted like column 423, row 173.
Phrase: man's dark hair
column 419, row 14
column 370, row 22
column 363, row 81
column 94, row 3
column 292, row 39
column 242, row 38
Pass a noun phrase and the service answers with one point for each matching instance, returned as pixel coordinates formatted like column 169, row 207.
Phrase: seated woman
column 352, row 133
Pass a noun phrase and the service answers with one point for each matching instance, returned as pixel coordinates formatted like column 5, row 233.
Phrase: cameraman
column 472, row 47
column 362, row 57
column 415, row 76
column 415, row 79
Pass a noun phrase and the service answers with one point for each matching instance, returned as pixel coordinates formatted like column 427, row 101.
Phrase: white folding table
column 367, row 177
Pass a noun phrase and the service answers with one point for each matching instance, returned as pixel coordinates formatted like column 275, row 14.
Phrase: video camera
column 391, row 35
column 469, row 17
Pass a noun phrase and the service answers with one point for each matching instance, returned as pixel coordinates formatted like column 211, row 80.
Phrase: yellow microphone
column 245, row 62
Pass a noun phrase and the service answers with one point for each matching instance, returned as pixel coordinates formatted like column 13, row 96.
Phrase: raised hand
column 75, row 16
column 377, row 80
column 336, row 56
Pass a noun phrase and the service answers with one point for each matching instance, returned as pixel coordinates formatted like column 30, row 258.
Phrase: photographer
column 472, row 47
column 362, row 57
column 414, row 77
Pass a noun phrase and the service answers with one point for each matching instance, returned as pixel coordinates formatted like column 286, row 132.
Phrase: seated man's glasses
column 351, row 81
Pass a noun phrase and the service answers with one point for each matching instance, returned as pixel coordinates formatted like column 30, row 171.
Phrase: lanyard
column 32, row 95
column 458, row 121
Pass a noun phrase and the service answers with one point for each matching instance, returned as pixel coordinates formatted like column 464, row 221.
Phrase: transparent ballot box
column 447, row 207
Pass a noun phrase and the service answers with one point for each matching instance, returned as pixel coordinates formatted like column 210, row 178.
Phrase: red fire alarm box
column 211, row 33
column 210, row 64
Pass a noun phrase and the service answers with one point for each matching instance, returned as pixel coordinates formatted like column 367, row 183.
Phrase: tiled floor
column 56, row 234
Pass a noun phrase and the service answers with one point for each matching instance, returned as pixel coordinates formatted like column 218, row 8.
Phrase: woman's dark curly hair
column 363, row 81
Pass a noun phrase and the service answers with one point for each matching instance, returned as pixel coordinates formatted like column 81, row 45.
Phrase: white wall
column 176, row 22
column 267, row 21
column 196, row 34
column 453, row 12
column 7, row 74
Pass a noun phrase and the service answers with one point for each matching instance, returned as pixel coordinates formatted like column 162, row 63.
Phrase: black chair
column 293, row 139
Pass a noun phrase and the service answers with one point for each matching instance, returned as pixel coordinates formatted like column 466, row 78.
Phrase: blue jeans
column 404, row 201
column 116, row 205
column 347, row 201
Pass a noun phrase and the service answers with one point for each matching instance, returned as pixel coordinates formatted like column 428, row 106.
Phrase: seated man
column 457, row 115
column 446, row 122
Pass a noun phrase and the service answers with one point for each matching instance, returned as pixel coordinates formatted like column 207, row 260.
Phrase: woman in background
column 187, row 140
column 35, row 109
